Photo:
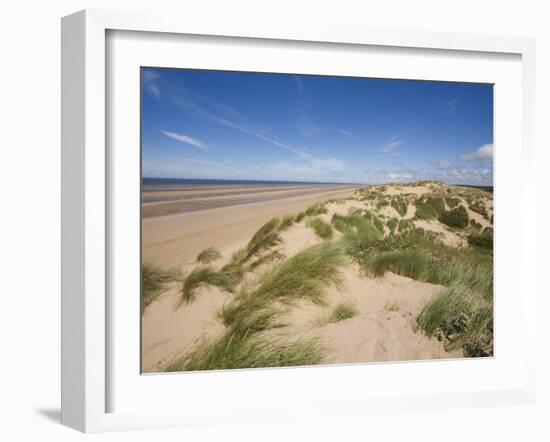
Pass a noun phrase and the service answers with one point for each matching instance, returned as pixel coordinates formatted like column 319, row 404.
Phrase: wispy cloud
column 459, row 175
column 149, row 81
column 391, row 144
column 347, row 133
column 226, row 116
column 185, row 139
column 305, row 123
column 442, row 164
column 451, row 106
column 206, row 163
column 483, row 153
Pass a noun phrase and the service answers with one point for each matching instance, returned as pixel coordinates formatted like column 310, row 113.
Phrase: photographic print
column 301, row 220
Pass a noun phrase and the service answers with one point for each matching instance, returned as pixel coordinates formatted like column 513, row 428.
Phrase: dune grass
column 457, row 218
column 392, row 306
column 256, row 309
column 200, row 277
column 400, row 205
column 257, row 351
column 265, row 238
column 301, row 277
column 153, row 282
column 461, row 318
column 321, row 228
column 286, row 222
column 343, row 311
column 429, row 207
column 392, row 224
column 316, row 209
column 208, row 255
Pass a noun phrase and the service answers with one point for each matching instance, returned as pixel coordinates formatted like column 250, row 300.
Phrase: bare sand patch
column 447, row 237
column 165, row 332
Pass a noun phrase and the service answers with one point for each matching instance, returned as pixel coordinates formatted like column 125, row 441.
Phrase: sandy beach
column 225, row 221
column 381, row 310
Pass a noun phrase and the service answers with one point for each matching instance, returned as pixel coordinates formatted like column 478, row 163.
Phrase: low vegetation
column 457, row 218
column 153, row 282
column 208, row 255
column 321, row 228
column 263, row 285
column 201, row 277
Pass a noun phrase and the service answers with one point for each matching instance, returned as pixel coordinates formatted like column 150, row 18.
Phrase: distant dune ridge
column 320, row 274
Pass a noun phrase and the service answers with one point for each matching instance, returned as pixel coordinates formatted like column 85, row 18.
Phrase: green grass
column 457, row 218
column 304, row 276
column 265, row 238
column 153, row 282
column 316, row 209
column 231, row 351
column 200, row 277
column 461, row 318
column 321, row 228
column 484, row 240
column 208, row 255
column 392, row 225
column 479, row 207
column 429, row 207
column 400, row 205
column 383, row 202
column 286, row 222
column 452, row 202
column 343, row 311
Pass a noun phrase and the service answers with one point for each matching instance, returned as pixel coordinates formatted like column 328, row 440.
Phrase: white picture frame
column 86, row 204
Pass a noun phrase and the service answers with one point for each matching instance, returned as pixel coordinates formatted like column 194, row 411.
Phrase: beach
column 341, row 274
column 222, row 216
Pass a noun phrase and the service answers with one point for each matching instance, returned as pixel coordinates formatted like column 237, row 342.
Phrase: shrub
column 392, row 225
column 452, row 202
column 483, row 240
column 455, row 218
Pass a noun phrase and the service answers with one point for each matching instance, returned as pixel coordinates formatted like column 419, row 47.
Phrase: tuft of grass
column 232, row 351
column 452, row 202
column 343, row 311
column 400, row 205
column 383, row 202
column 208, row 255
column 301, row 277
column 392, row 306
column 299, row 217
column 409, row 263
column 153, row 282
column 200, row 277
column 484, row 240
column 461, row 319
column 316, row 209
column 286, row 222
column 479, row 207
column 392, row 225
column 321, row 228
column 265, row 238
column 457, row 218
column 429, row 208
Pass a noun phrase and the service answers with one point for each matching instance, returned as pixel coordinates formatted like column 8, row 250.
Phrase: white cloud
column 483, row 153
column 313, row 168
column 442, row 164
column 391, row 145
column 149, row 79
column 185, row 139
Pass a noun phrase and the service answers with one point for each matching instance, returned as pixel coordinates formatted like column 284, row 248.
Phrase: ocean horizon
column 159, row 182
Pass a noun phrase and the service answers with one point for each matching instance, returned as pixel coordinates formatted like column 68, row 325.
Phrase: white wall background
column 30, row 219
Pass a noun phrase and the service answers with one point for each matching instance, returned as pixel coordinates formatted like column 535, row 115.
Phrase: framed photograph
column 269, row 222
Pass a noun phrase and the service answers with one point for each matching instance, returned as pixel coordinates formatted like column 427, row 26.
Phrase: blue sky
column 236, row 125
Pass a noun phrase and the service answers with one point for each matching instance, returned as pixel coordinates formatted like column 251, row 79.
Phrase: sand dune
column 384, row 326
